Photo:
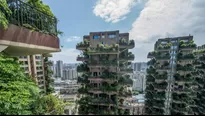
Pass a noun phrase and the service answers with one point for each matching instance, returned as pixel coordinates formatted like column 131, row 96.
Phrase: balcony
column 165, row 57
column 190, row 56
column 35, row 33
column 82, row 45
column 102, row 101
column 82, row 58
column 184, row 78
column 129, row 57
column 125, row 81
column 188, row 67
column 103, row 63
column 82, row 68
column 127, row 44
column 151, row 54
column 83, row 90
column 104, row 49
column 128, row 70
column 166, row 47
column 187, row 45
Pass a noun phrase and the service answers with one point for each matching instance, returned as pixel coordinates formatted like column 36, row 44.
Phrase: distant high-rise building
column 139, row 66
column 139, row 79
column 59, row 69
column 65, row 75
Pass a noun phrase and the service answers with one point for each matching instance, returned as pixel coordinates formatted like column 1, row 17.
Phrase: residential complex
column 170, row 82
column 104, row 78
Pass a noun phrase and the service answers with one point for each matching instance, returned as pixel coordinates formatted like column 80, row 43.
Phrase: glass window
column 96, row 37
column 111, row 36
column 103, row 36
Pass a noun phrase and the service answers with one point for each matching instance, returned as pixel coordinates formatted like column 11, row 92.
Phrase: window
column 111, row 36
column 96, row 37
column 103, row 36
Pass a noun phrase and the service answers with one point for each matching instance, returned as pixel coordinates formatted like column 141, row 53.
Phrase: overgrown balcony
column 83, row 45
column 185, row 78
column 82, row 68
column 187, row 45
column 103, row 63
column 151, row 70
column 108, row 75
column 151, row 54
column 105, row 88
column 159, row 103
column 163, row 57
column 165, row 47
column 30, row 30
column 151, row 62
column 150, row 87
column 101, row 100
column 104, row 49
column 202, row 58
column 187, row 67
column 161, row 86
column 82, row 58
column 181, row 107
column 159, row 95
column 180, row 97
column 126, row 70
column 82, row 80
column 125, row 81
column 163, row 76
column 190, row 56
column 150, row 79
column 129, row 56
column 126, row 43
column 83, row 90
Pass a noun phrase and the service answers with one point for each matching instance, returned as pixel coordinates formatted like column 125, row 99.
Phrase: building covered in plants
column 104, row 79
column 170, row 84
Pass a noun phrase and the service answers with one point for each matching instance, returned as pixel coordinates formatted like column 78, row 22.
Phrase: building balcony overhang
column 22, row 41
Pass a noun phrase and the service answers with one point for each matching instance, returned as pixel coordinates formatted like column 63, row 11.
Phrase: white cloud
column 113, row 10
column 73, row 38
column 168, row 18
column 67, row 55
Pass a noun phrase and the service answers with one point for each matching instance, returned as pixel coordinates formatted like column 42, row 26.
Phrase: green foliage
column 4, row 10
column 40, row 6
column 17, row 92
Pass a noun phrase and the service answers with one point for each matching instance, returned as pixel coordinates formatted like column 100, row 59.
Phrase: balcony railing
column 28, row 16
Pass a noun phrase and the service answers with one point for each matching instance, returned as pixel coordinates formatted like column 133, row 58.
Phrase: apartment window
column 163, row 42
column 111, row 36
column 26, row 62
column 96, row 37
column 103, row 36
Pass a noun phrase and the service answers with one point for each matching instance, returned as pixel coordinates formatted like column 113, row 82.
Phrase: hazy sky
column 145, row 20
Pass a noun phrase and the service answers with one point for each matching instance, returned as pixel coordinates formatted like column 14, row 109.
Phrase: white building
column 59, row 68
column 139, row 80
column 139, row 66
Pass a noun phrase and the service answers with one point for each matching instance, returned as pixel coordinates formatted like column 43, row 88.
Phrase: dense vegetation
column 19, row 95
column 4, row 9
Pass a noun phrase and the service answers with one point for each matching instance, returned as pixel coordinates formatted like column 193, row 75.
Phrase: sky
column 144, row 20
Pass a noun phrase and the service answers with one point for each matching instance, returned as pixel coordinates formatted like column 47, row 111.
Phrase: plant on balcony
column 159, row 103
column 165, row 56
column 160, row 95
column 83, row 90
column 123, row 41
column 150, row 78
column 41, row 19
column 166, row 46
column 125, row 81
column 151, row 62
column 162, row 85
column 4, row 13
column 187, row 67
column 151, row 70
column 189, row 44
column 82, row 68
column 185, row 78
column 85, row 43
column 48, row 76
column 131, row 42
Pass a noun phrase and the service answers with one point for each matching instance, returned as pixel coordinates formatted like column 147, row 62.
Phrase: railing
column 28, row 16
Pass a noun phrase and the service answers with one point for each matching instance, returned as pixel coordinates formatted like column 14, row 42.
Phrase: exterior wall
column 33, row 66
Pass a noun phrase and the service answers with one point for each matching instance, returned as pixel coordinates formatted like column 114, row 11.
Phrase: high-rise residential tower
column 106, row 58
column 59, row 69
column 169, row 85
